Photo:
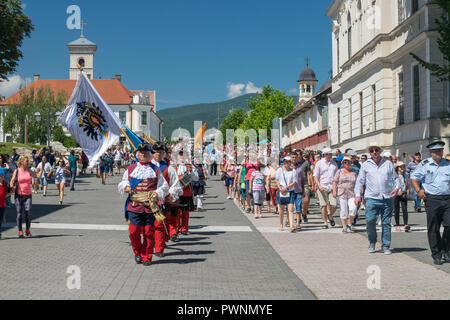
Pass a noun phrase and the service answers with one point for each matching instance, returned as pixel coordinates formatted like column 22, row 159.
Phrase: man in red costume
column 187, row 199
column 162, row 229
column 142, row 178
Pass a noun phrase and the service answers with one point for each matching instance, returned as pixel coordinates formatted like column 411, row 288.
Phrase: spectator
column 257, row 189
column 249, row 168
column 299, row 186
column 34, row 181
column 43, row 170
column 401, row 198
column 324, row 173
column 339, row 157
column 343, row 187
column 213, row 162
column 412, row 166
column 14, row 156
column 60, row 178
column 21, row 185
column 3, row 195
column 286, row 195
column 363, row 158
column 271, row 180
column 118, row 155
column 104, row 167
column 382, row 183
column 73, row 159
column 309, row 185
column 84, row 162
column 230, row 168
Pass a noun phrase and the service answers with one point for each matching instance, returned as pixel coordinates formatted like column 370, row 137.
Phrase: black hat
column 158, row 145
column 436, row 145
column 144, row 147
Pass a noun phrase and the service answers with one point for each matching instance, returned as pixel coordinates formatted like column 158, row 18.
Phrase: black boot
column 437, row 259
column 138, row 259
column 147, row 263
column 174, row 238
column 159, row 254
column 446, row 257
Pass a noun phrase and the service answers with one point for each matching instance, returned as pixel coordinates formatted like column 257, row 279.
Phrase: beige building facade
column 379, row 91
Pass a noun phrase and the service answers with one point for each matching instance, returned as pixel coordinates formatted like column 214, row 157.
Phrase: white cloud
column 238, row 89
column 293, row 91
column 235, row 90
column 251, row 88
column 12, row 85
column 24, row 6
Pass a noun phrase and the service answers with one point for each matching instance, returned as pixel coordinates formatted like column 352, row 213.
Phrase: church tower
column 307, row 83
column 81, row 52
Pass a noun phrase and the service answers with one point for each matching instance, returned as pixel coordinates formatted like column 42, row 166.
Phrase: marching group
column 379, row 184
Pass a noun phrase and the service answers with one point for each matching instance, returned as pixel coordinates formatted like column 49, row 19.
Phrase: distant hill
column 184, row 117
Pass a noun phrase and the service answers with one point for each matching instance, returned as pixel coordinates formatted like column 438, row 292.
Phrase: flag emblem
column 92, row 121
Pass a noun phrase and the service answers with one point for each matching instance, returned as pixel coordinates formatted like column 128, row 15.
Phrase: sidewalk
column 335, row 265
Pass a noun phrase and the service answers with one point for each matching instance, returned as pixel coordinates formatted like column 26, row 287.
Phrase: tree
column 42, row 100
column 268, row 105
column 443, row 28
column 233, row 121
column 14, row 26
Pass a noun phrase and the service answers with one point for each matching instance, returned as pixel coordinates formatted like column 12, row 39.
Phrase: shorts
column 258, row 197
column 284, row 201
column 247, row 188
column 104, row 169
column 298, row 202
column 267, row 196
column 307, row 192
column 229, row 181
column 326, row 197
column 198, row 190
column 58, row 181
column 243, row 194
column 118, row 163
column 44, row 181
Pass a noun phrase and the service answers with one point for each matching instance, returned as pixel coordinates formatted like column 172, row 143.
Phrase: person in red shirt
column 3, row 195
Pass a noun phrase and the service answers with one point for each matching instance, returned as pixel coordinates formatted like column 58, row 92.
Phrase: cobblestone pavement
column 337, row 266
column 224, row 257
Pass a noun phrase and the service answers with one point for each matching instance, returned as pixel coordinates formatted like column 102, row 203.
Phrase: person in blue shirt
column 434, row 174
column 14, row 156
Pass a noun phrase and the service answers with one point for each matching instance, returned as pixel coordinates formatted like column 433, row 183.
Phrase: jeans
column 400, row 201
column 298, row 202
column 375, row 207
column 416, row 197
column 73, row 174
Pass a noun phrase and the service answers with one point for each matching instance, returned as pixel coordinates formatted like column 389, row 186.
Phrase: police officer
column 434, row 173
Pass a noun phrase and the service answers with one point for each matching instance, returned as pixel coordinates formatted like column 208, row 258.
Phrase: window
column 339, row 124
column 414, row 6
column 350, row 118
column 401, row 100
column 303, row 89
column 81, row 62
column 361, row 131
column 401, row 11
column 349, row 22
column 308, row 88
column 374, row 108
column 123, row 116
column 300, row 123
column 143, row 118
column 416, row 92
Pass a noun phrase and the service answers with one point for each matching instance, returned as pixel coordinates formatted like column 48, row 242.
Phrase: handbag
column 243, row 185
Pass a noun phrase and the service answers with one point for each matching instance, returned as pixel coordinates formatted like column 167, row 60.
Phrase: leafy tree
column 68, row 141
column 14, row 26
column 42, row 100
column 268, row 105
column 443, row 28
column 233, row 121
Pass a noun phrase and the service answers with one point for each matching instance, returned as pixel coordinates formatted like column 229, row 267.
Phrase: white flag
column 90, row 120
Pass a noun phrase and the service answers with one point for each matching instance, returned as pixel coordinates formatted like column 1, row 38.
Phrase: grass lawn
column 7, row 147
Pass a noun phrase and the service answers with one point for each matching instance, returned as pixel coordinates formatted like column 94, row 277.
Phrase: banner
column 90, row 120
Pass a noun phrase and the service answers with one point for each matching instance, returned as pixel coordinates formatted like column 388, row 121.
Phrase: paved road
column 224, row 257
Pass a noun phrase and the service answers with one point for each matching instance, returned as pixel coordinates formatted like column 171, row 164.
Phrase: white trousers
column 348, row 207
column 199, row 201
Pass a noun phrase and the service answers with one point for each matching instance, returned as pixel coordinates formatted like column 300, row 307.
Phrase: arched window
column 308, row 88
column 349, row 25
column 81, row 62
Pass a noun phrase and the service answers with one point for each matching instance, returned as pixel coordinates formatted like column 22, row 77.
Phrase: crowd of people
column 376, row 182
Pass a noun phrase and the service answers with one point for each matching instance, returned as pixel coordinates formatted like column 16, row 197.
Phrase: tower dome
column 307, row 74
column 307, row 83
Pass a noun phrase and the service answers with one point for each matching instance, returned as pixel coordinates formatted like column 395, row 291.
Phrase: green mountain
column 211, row 113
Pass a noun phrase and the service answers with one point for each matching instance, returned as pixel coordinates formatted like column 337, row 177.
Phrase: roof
column 81, row 41
column 111, row 90
column 307, row 75
column 325, row 86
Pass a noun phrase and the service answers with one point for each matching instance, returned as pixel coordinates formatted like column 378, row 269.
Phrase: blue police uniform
column 435, row 179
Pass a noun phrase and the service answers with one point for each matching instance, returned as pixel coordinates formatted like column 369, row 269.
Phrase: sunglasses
column 374, row 150
column 346, row 162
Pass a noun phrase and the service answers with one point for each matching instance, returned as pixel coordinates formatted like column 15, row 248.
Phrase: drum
column 186, row 179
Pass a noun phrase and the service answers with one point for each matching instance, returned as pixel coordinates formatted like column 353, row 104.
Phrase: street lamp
column 38, row 118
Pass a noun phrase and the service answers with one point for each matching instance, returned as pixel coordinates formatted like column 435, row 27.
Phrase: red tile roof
column 111, row 90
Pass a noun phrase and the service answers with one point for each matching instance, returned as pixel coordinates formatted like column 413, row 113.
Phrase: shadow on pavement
column 179, row 261
column 41, row 236
column 186, row 243
column 199, row 252
column 409, row 249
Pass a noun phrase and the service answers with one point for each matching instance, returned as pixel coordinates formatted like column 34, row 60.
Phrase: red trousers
column 144, row 248
column 273, row 196
column 173, row 223
column 184, row 220
column 161, row 235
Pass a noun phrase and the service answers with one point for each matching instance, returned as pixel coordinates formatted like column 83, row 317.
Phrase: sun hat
column 399, row 164
column 374, row 144
column 326, row 150
column 387, row 154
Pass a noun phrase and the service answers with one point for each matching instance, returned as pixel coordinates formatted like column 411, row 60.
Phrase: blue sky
column 189, row 51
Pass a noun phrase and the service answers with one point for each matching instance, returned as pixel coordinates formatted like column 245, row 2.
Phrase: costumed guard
column 199, row 185
column 187, row 175
column 145, row 185
column 175, row 190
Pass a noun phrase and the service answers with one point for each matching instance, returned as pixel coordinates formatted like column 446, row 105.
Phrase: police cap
column 436, row 145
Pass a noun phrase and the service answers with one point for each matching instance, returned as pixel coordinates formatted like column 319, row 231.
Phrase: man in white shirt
column 324, row 172
column 118, row 159
column 47, row 168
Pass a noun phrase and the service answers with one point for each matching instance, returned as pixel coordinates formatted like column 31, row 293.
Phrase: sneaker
column 44, row 194
column 387, row 251
column 350, row 229
column 305, row 218
column 21, row 234
column 228, row 198
column 344, row 230
column 372, row 248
